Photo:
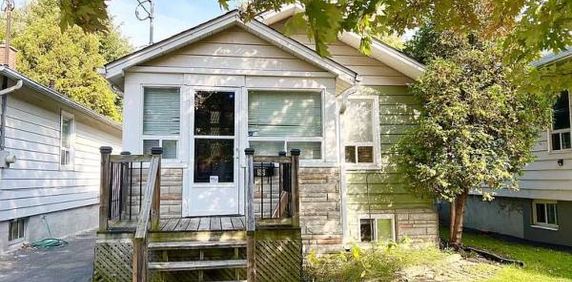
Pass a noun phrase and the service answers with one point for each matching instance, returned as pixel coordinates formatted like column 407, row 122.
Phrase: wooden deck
column 189, row 224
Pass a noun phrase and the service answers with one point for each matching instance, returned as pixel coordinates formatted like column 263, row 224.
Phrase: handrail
column 148, row 215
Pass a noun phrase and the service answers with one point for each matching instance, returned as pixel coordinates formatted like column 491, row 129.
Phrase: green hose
column 48, row 243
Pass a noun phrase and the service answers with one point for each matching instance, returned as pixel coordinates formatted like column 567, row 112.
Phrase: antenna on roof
column 145, row 11
column 7, row 7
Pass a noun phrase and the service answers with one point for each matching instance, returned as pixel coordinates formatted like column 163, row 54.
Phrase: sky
column 171, row 17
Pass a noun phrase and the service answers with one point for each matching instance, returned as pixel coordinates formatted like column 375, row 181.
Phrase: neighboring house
column 49, row 154
column 540, row 210
column 209, row 92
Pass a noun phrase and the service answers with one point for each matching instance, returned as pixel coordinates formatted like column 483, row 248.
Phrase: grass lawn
column 542, row 264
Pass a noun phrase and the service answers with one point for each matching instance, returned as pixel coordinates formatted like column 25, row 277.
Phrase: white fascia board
column 116, row 69
column 272, row 17
column 387, row 55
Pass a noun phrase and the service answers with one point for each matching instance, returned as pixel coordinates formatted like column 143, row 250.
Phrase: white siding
column 35, row 184
column 544, row 178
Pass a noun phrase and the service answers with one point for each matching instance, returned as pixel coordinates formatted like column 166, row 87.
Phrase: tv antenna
column 145, row 11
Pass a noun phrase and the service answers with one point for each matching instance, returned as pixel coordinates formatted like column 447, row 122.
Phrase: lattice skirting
column 278, row 255
column 112, row 260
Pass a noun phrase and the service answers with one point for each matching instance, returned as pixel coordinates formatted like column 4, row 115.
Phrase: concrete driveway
column 73, row 262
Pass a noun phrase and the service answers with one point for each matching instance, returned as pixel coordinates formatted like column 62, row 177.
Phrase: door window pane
column 214, row 113
column 214, row 157
column 161, row 111
column 350, row 154
column 308, row 150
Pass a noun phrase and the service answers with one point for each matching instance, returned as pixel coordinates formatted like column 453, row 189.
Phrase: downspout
column 4, row 94
column 345, row 94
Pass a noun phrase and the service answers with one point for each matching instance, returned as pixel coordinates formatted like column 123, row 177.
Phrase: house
column 49, row 160
column 211, row 92
column 538, row 211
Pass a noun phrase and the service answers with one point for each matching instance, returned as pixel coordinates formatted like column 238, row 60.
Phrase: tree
column 67, row 61
column 476, row 129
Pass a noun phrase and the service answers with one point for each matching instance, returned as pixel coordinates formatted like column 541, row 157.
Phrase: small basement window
column 16, row 229
column 545, row 213
column 379, row 228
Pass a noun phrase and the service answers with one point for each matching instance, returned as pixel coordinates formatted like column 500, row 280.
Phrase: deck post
column 104, row 188
column 156, row 203
column 295, row 168
column 250, row 221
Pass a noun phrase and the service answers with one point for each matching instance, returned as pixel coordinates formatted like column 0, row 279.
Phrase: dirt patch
column 453, row 268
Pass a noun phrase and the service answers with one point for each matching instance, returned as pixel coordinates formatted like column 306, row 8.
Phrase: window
column 16, row 229
column 560, row 135
column 545, row 213
column 67, row 130
column 377, row 228
column 161, row 120
column 281, row 121
column 360, row 121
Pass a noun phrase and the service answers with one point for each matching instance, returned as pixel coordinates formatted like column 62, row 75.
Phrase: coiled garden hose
column 50, row 242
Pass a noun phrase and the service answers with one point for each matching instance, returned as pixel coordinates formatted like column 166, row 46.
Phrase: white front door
column 214, row 175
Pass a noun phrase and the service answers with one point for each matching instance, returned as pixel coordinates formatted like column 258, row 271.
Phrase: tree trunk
column 457, row 214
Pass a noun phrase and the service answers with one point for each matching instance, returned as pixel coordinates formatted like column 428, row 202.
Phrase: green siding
column 382, row 192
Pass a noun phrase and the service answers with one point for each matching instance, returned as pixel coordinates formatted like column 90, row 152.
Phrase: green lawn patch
column 542, row 264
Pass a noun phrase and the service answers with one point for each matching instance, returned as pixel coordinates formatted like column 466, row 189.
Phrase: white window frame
column 375, row 143
column 287, row 139
column 375, row 217
column 560, row 131
column 177, row 138
column 71, row 149
column 544, row 225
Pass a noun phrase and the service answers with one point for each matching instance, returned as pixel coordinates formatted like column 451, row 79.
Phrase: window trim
column 179, row 158
column 376, row 140
column 375, row 217
column 71, row 164
column 560, row 131
column 544, row 225
column 286, row 140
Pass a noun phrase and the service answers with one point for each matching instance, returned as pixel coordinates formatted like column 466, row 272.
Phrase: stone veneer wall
column 171, row 192
column 320, row 209
column 419, row 225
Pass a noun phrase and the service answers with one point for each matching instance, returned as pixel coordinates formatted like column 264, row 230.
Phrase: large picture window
column 280, row 121
column 360, row 121
column 161, row 120
column 560, row 135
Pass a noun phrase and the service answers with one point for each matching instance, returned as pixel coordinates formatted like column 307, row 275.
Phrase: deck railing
column 272, row 196
column 125, row 199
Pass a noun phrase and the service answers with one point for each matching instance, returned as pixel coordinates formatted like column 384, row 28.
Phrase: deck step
column 196, row 265
column 193, row 245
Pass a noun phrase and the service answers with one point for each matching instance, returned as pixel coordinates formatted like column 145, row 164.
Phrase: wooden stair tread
column 196, row 265
column 186, row 245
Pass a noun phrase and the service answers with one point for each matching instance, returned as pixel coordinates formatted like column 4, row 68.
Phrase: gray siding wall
column 36, row 184
column 563, row 236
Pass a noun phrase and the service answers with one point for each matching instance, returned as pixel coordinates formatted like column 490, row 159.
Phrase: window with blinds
column 280, row 121
column 161, row 120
